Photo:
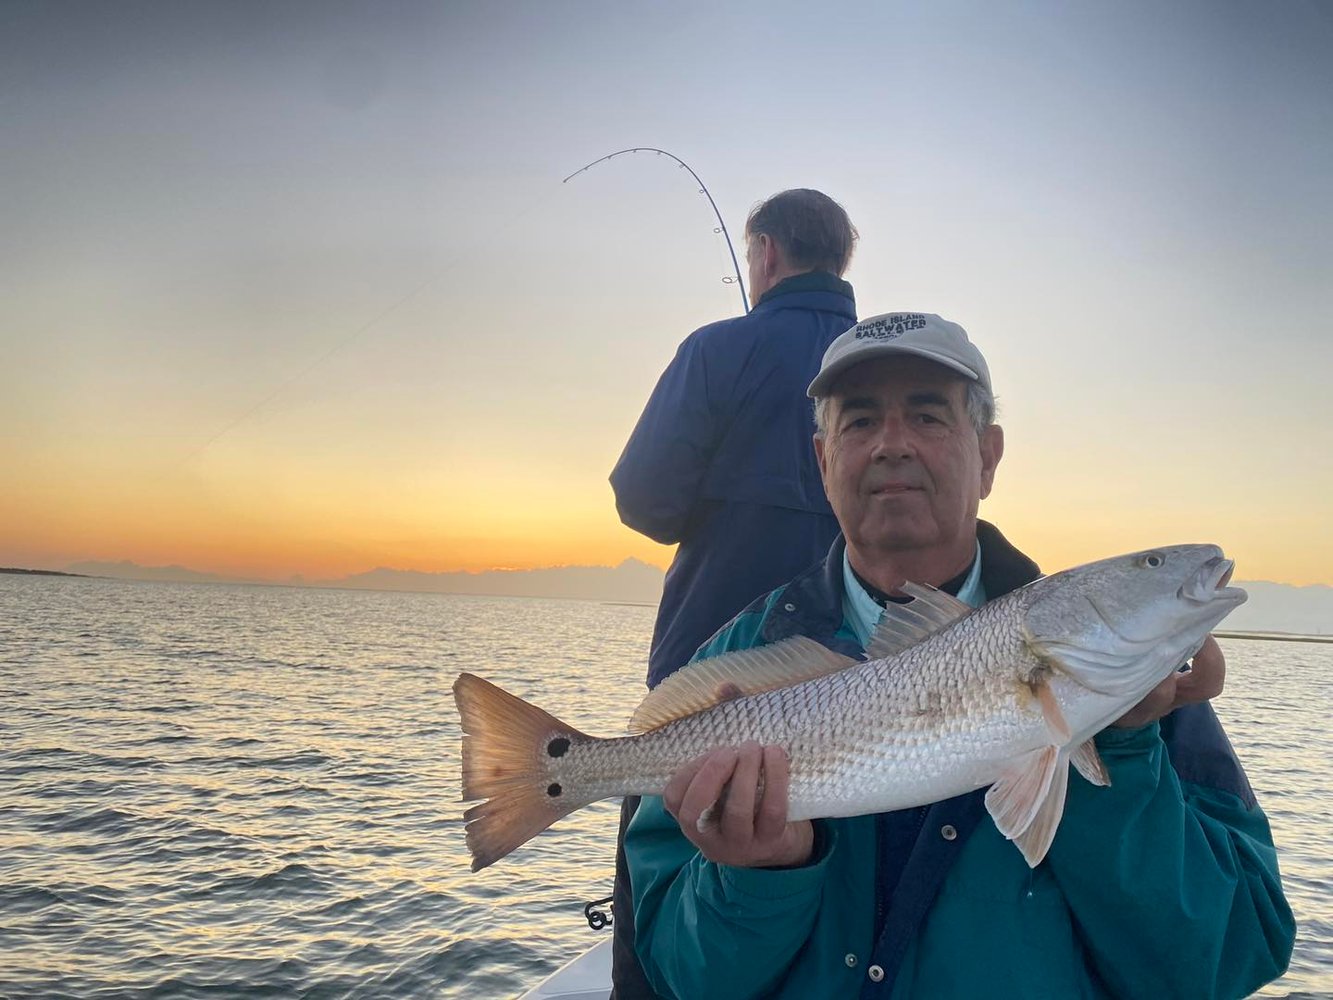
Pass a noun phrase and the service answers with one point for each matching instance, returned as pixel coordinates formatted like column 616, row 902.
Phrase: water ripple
column 221, row 792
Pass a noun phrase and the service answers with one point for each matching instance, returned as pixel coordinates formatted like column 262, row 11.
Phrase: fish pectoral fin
column 705, row 683
column 902, row 626
column 1089, row 764
column 1036, row 840
column 1050, row 711
column 1024, row 784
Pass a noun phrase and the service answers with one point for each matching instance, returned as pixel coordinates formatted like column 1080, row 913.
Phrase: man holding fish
column 1162, row 880
column 865, row 784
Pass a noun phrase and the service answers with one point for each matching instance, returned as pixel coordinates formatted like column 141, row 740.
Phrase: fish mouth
column 1209, row 584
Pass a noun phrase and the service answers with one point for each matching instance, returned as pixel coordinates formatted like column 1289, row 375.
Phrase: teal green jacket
column 1165, row 884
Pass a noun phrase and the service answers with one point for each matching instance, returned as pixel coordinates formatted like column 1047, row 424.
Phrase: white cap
column 922, row 334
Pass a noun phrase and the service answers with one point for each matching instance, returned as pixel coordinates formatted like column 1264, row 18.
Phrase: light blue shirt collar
column 862, row 613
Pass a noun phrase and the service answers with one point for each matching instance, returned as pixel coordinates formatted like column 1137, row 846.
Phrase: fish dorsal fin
column 904, row 625
column 710, row 682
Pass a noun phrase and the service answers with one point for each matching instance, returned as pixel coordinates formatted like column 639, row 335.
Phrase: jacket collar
column 811, row 605
column 821, row 282
column 1003, row 567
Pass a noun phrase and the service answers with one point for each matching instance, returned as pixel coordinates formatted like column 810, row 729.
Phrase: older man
column 1163, row 884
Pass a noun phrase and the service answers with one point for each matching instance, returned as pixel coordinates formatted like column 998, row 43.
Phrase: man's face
column 902, row 465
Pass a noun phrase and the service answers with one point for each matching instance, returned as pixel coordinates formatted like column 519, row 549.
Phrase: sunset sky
column 295, row 287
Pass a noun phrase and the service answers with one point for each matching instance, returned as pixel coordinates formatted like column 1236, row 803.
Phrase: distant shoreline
column 633, row 582
column 337, row 587
column 1274, row 636
column 40, row 572
column 1266, row 635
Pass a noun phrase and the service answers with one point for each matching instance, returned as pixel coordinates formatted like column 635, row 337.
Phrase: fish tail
column 511, row 753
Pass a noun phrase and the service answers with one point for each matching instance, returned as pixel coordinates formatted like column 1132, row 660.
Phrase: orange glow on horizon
column 275, row 550
column 275, row 515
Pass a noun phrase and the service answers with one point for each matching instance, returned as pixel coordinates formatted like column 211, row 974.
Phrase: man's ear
column 992, row 450
column 819, row 456
column 770, row 254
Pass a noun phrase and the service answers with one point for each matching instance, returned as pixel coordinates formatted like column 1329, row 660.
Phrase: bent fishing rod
column 703, row 190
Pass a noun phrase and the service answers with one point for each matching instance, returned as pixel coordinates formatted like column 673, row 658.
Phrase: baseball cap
column 922, row 334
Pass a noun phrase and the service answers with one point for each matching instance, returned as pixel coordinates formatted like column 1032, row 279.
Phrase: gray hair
column 981, row 409
column 812, row 229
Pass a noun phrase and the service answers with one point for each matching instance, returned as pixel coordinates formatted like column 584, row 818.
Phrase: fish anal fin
column 902, row 626
column 1089, row 764
column 701, row 685
column 1015, row 798
column 1050, row 711
column 1036, row 840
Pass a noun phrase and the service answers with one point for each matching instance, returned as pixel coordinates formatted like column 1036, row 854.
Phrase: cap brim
column 824, row 380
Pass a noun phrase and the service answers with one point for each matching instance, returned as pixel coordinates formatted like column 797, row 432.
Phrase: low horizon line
column 303, row 578
column 1243, row 634
column 300, row 580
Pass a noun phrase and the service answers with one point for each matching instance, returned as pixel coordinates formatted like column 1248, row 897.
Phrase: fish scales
column 865, row 739
column 931, row 718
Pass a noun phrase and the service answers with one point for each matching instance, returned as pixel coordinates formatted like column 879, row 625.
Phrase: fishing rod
column 374, row 322
column 703, row 190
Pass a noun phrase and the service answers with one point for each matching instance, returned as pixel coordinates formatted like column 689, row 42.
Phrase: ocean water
column 246, row 791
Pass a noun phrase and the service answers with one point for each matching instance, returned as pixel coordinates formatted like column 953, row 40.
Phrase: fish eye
column 1153, row 560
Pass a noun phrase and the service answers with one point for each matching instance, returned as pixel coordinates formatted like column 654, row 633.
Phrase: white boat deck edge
column 586, row 977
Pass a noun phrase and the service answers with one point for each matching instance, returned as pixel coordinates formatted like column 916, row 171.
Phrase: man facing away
column 721, row 462
column 1164, row 884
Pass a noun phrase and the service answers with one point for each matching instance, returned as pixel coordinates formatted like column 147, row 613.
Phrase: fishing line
column 721, row 226
column 413, row 293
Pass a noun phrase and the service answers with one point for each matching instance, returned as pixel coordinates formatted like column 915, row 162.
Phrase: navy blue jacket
column 721, row 461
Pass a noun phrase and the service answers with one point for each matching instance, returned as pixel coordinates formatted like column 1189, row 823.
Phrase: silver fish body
column 1004, row 696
